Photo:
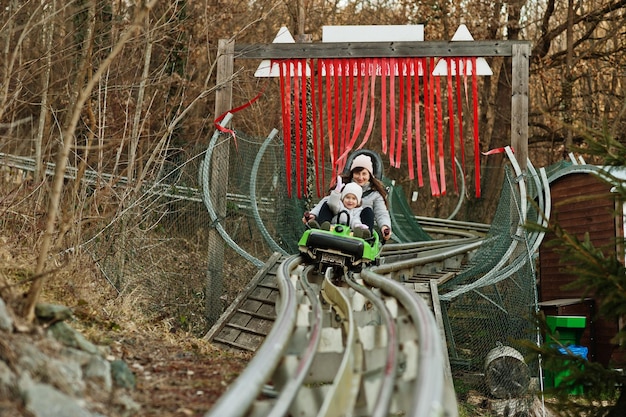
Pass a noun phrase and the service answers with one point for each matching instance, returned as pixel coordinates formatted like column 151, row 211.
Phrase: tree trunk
column 32, row 297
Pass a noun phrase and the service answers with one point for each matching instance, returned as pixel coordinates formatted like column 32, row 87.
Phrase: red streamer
column 372, row 74
column 336, row 65
column 392, row 111
column 285, row 80
column 304, row 133
column 459, row 111
column 339, row 106
column 321, row 121
column 476, row 138
column 383, row 100
column 343, row 99
column 419, row 65
column 316, row 131
column 496, row 151
column 409, row 119
column 223, row 129
column 451, row 121
column 329, row 113
column 401, row 79
column 442, row 169
column 429, row 97
column 297, row 135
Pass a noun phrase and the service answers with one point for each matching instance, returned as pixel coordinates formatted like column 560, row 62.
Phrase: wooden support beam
column 219, row 183
column 519, row 103
column 377, row 49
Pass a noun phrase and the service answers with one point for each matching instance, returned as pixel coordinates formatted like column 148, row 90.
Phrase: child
column 345, row 204
column 373, row 200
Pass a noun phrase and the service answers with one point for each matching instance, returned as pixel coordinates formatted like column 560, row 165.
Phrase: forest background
column 127, row 89
column 158, row 91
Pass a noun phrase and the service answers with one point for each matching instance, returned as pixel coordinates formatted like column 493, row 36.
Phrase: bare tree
column 68, row 139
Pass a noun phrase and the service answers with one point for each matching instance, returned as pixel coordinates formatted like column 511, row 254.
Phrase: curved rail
column 384, row 396
column 240, row 396
column 255, row 207
column 290, row 390
column 429, row 389
column 342, row 394
column 204, row 171
column 346, row 344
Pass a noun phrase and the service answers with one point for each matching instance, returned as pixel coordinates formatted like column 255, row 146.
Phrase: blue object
column 580, row 351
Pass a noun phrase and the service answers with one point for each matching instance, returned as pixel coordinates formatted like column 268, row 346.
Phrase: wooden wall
column 581, row 203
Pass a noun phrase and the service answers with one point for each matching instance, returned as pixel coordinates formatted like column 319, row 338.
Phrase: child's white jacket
column 336, row 205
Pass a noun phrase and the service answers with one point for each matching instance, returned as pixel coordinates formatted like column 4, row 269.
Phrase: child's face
column 350, row 201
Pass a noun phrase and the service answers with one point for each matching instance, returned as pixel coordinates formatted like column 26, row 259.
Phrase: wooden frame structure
column 519, row 51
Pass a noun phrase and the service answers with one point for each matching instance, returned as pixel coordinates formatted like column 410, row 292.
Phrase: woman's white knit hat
column 363, row 161
column 353, row 188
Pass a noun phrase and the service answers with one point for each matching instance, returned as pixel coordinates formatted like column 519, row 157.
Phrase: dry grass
column 149, row 320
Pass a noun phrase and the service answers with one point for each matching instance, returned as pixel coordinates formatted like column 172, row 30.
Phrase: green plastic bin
column 567, row 331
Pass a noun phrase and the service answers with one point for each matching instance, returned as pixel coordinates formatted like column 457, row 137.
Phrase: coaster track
column 343, row 343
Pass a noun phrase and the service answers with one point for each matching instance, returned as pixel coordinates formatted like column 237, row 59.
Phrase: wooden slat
column 242, row 299
column 244, row 329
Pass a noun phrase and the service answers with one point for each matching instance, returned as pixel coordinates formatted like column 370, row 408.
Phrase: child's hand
column 339, row 184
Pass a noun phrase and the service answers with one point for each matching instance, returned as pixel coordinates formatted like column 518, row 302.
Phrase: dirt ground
column 178, row 379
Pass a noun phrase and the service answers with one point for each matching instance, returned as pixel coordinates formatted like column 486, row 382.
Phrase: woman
column 374, row 199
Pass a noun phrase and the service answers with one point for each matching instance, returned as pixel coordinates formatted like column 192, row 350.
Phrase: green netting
column 257, row 174
column 556, row 167
column 489, row 306
column 497, row 241
column 405, row 227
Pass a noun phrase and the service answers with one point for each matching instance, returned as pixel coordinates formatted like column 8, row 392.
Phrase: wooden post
column 519, row 102
column 219, row 182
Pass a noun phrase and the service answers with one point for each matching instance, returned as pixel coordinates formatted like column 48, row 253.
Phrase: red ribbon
column 304, row 131
column 410, row 67
column 459, row 111
column 496, row 151
column 383, row 100
column 392, row 111
column 442, row 170
column 298, row 120
column 451, row 121
column 372, row 76
column 285, row 80
column 329, row 112
column 339, row 108
column 476, row 138
column 401, row 78
column 419, row 66
column 316, row 130
column 223, row 129
column 429, row 97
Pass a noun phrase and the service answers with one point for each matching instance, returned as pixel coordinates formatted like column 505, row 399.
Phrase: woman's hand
column 307, row 216
column 386, row 231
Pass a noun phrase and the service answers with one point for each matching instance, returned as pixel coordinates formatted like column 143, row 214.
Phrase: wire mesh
column 489, row 307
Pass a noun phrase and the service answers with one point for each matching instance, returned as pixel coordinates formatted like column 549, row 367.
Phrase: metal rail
column 243, row 392
column 354, row 344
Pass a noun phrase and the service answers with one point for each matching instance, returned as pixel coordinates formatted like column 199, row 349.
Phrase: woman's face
column 361, row 176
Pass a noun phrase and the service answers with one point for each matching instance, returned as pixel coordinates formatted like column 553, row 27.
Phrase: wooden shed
column 582, row 202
